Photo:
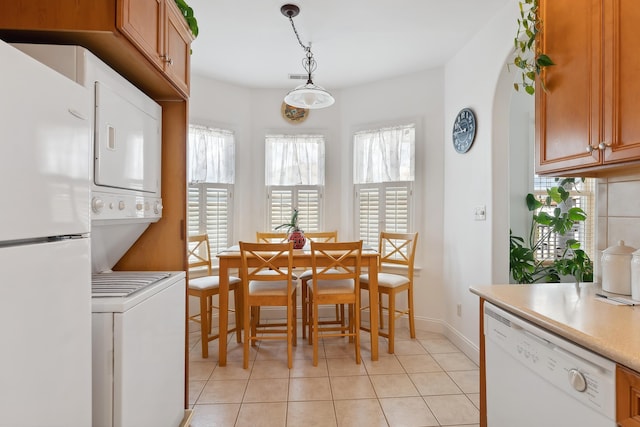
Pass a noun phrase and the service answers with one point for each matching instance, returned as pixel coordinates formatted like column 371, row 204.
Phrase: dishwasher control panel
column 586, row 376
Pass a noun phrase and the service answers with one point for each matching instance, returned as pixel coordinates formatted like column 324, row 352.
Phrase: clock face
column 464, row 130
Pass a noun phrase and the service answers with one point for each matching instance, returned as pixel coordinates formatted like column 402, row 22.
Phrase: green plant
column 187, row 12
column 292, row 225
column 569, row 260
column 528, row 58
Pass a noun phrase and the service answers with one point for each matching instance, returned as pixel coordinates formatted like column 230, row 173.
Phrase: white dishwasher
column 535, row 378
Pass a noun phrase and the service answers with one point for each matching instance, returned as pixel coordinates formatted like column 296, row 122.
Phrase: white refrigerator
column 45, row 264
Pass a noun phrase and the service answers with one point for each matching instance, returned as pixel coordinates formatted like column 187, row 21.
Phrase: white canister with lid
column 616, row 268
column 635, row 275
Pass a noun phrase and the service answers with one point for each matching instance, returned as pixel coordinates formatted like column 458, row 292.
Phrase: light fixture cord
column 308, row 63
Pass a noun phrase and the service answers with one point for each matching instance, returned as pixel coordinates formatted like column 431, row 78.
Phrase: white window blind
column 211, row 174
column 383, row 176
column 294, row 174
column 583, row 196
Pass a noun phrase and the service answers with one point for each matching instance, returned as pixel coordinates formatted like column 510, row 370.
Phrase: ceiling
column 251, row 44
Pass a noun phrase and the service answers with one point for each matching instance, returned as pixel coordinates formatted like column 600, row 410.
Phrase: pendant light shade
column 308, row 95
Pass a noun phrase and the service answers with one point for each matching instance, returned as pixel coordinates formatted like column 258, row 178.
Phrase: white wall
column 476, row 252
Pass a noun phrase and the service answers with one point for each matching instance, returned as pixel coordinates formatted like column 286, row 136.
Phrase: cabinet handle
column 166, row 59
column 603, row 145
column 592, row 148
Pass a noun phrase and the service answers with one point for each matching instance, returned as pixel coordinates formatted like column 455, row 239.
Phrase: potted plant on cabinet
column 568, row 259
column 296, row 235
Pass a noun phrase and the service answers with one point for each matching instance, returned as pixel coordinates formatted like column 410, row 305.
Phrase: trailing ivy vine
column 528, row 57
column 187, row 12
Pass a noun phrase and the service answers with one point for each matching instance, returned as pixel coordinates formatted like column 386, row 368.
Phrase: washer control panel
column 111, row 206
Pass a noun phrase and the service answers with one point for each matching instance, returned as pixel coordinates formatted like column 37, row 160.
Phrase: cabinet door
column 627, row 397
column 142, row 22
column 178, row 48
column 621, row 70
column 568, row 114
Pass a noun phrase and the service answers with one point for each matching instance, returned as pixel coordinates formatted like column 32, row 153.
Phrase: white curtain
column 211, row 155
column 294, row 160
column 384, row 155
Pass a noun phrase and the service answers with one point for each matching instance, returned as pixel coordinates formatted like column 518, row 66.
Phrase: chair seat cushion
column 386, row 280
column 210, row 282
column 326, row 287
column 275, row 288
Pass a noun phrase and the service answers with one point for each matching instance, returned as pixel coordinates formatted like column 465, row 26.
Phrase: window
column 211, row 175
column 294, row 175
column 583, row 196
column 383, row 177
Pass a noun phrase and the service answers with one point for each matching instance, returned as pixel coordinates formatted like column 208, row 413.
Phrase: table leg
column 223, row 300
column 373, row 306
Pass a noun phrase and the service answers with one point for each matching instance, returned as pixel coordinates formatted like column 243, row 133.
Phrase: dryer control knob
column 139, row 206
column 121, row 205
column 97, row 204
column 157, row 207
column 577, row 380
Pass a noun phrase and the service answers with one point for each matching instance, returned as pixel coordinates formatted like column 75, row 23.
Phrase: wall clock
column 464, row 130
column 294, row 114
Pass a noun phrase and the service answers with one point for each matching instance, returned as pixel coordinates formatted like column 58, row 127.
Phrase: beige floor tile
column 434, row 383
column 269, row 369
column 223, row 414
column 267, row 390
column 201, row 370
column 340, row 348
column 439, row 345
column 356, row 387
column 452, row 410
column 195, row 388
column 359, row 413
column 393, row 385
column 233, row 371
column 468, row 381
column 384, row 365
column 407, row 412
column 454, row 361
column 475, row 399
column 345, row 367
column 419, row 363
column 309, row 389
column 305, row 369
column 262, row 415
column 407, row 347
column 311, row 414
column 227, row 391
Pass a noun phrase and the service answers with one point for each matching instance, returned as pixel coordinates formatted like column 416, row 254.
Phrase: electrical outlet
column 480, row 213
column 459, row 309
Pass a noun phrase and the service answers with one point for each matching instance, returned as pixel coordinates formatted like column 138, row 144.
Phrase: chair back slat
column 199, row 253
column 340, row 260
column 398, row 248
column 271, row 237
column 322, row 236
column 258, row 261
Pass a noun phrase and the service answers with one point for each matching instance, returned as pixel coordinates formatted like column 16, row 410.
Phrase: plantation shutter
column 307, row 199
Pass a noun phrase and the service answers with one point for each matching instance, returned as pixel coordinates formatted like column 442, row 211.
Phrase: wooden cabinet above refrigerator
column 588, row 120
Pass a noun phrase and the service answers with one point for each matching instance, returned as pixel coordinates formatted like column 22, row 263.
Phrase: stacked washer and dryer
column 138, row 335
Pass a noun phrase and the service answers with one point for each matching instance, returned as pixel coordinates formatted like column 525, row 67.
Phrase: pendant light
column 308, row 95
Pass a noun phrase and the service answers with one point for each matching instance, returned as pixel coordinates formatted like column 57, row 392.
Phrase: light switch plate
column 481, row 213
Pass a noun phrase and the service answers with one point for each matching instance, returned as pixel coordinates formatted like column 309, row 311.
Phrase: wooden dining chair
column 335, row 280
column 317, row 236
column 203, row 285
column 271, row 237
column 396, row 249
column 267, row 282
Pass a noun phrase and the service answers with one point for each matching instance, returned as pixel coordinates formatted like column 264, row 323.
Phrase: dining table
column 230, row 259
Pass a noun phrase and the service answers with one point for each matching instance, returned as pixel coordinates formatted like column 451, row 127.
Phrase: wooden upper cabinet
column 158, row 29
column 588, row 120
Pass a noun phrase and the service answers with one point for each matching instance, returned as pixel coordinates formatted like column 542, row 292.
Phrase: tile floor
column 427, row 382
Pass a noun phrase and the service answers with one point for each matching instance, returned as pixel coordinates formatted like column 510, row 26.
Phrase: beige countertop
column 573, row 312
